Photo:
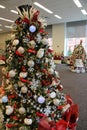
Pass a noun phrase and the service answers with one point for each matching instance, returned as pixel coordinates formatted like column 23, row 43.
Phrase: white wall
column 58, row 35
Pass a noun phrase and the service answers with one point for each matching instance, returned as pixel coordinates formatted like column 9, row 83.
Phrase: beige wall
column 3, row 38
column 58, row 35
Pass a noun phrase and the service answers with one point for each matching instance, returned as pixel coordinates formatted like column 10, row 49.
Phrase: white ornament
column 32, row 43
column 40, row 53
column 51, row 71
column 28, row 121
column 39, row 38
column 53, row 83
column 56, row 73
column 12, row 73
column 32, row 28
column 23, row 74
column 30, row 63
column 56, row 101
column 22, row 110
column 24, row 89
column 44, row 41
column 9, row 110
column 15, row 42
column 41, row 99
column 21, row 50
column 52, row 95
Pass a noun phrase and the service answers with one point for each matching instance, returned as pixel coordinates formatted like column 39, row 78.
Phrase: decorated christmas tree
column 31, row 97
column 78, row 57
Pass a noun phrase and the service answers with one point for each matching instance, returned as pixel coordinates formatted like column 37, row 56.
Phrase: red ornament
column 11, row 125
column 19, row 54
column 40, row 114
column 31, row 51
column 23, row 69
column 24, row 80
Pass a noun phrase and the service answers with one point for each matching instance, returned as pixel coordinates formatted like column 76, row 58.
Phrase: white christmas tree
column 32, row 97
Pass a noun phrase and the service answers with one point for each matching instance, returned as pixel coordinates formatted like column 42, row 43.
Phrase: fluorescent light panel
column 8, row 26
column 42, row 7
column 78, row 4
column 1, row 6
column 57, row 16
column 13, row 11
column 8, row 20
column 84, row 11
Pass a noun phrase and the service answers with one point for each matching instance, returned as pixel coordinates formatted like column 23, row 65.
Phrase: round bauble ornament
column 56, row 101
column 15, row 42
column 52, row 95
column 60, row 87
column 51, row 70
column 44, row 41
column 12, row 73
column 21, row 50
column 4, row 99
column 32, row 28
column 32, row 44
column 20, row 84
column 30, row 63
column 28, row 121
column 23, row 74
column 22, row 110
column 9, row 110
column 24, row 89
column 41, row 99
column 40, row 53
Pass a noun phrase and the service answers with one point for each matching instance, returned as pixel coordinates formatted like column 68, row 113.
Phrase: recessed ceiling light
column 1, row 6
column 78, row 4
column 13, row 11
column 84, row 11
column 0, row 25
column 8, row 20
column 42, row 7
column 57, row 16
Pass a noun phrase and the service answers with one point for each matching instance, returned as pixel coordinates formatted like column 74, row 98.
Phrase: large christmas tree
column 31, row 97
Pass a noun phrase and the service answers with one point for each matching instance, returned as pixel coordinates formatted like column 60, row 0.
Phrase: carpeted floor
column 75, row 85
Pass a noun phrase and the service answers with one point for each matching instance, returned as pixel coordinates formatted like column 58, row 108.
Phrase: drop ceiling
column 64, row 8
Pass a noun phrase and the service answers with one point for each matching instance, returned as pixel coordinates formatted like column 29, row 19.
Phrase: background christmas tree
column 31, row 98
column 78, row 58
